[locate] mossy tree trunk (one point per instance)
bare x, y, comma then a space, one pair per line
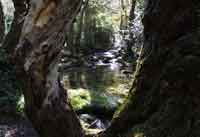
37, 56
164, 99
2, 26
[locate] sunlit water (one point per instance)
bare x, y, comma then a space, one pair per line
107, 73
111, 56
105, 76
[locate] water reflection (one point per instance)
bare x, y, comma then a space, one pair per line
96, 92
98, 83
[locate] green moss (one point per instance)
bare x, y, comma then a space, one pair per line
79, 98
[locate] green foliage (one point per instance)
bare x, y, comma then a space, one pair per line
99, 11
79, 98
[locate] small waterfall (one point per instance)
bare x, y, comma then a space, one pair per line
112, 57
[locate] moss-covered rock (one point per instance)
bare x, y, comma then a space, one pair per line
86, 101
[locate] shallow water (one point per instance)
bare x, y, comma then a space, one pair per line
99, 86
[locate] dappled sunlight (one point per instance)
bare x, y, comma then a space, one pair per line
98, 68
8, 9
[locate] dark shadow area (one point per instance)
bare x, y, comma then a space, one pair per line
10, 91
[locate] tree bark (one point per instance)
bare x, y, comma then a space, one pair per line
12, 38
37, 56
2, 25
164, 99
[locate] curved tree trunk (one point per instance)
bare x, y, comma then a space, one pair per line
164, 99
12, 38
2, 26
37, 56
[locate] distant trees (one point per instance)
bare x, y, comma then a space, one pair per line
91, 30
76, 31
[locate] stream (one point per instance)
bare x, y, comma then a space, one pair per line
99, 84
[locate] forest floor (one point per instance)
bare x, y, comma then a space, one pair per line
12, 126
16, 127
